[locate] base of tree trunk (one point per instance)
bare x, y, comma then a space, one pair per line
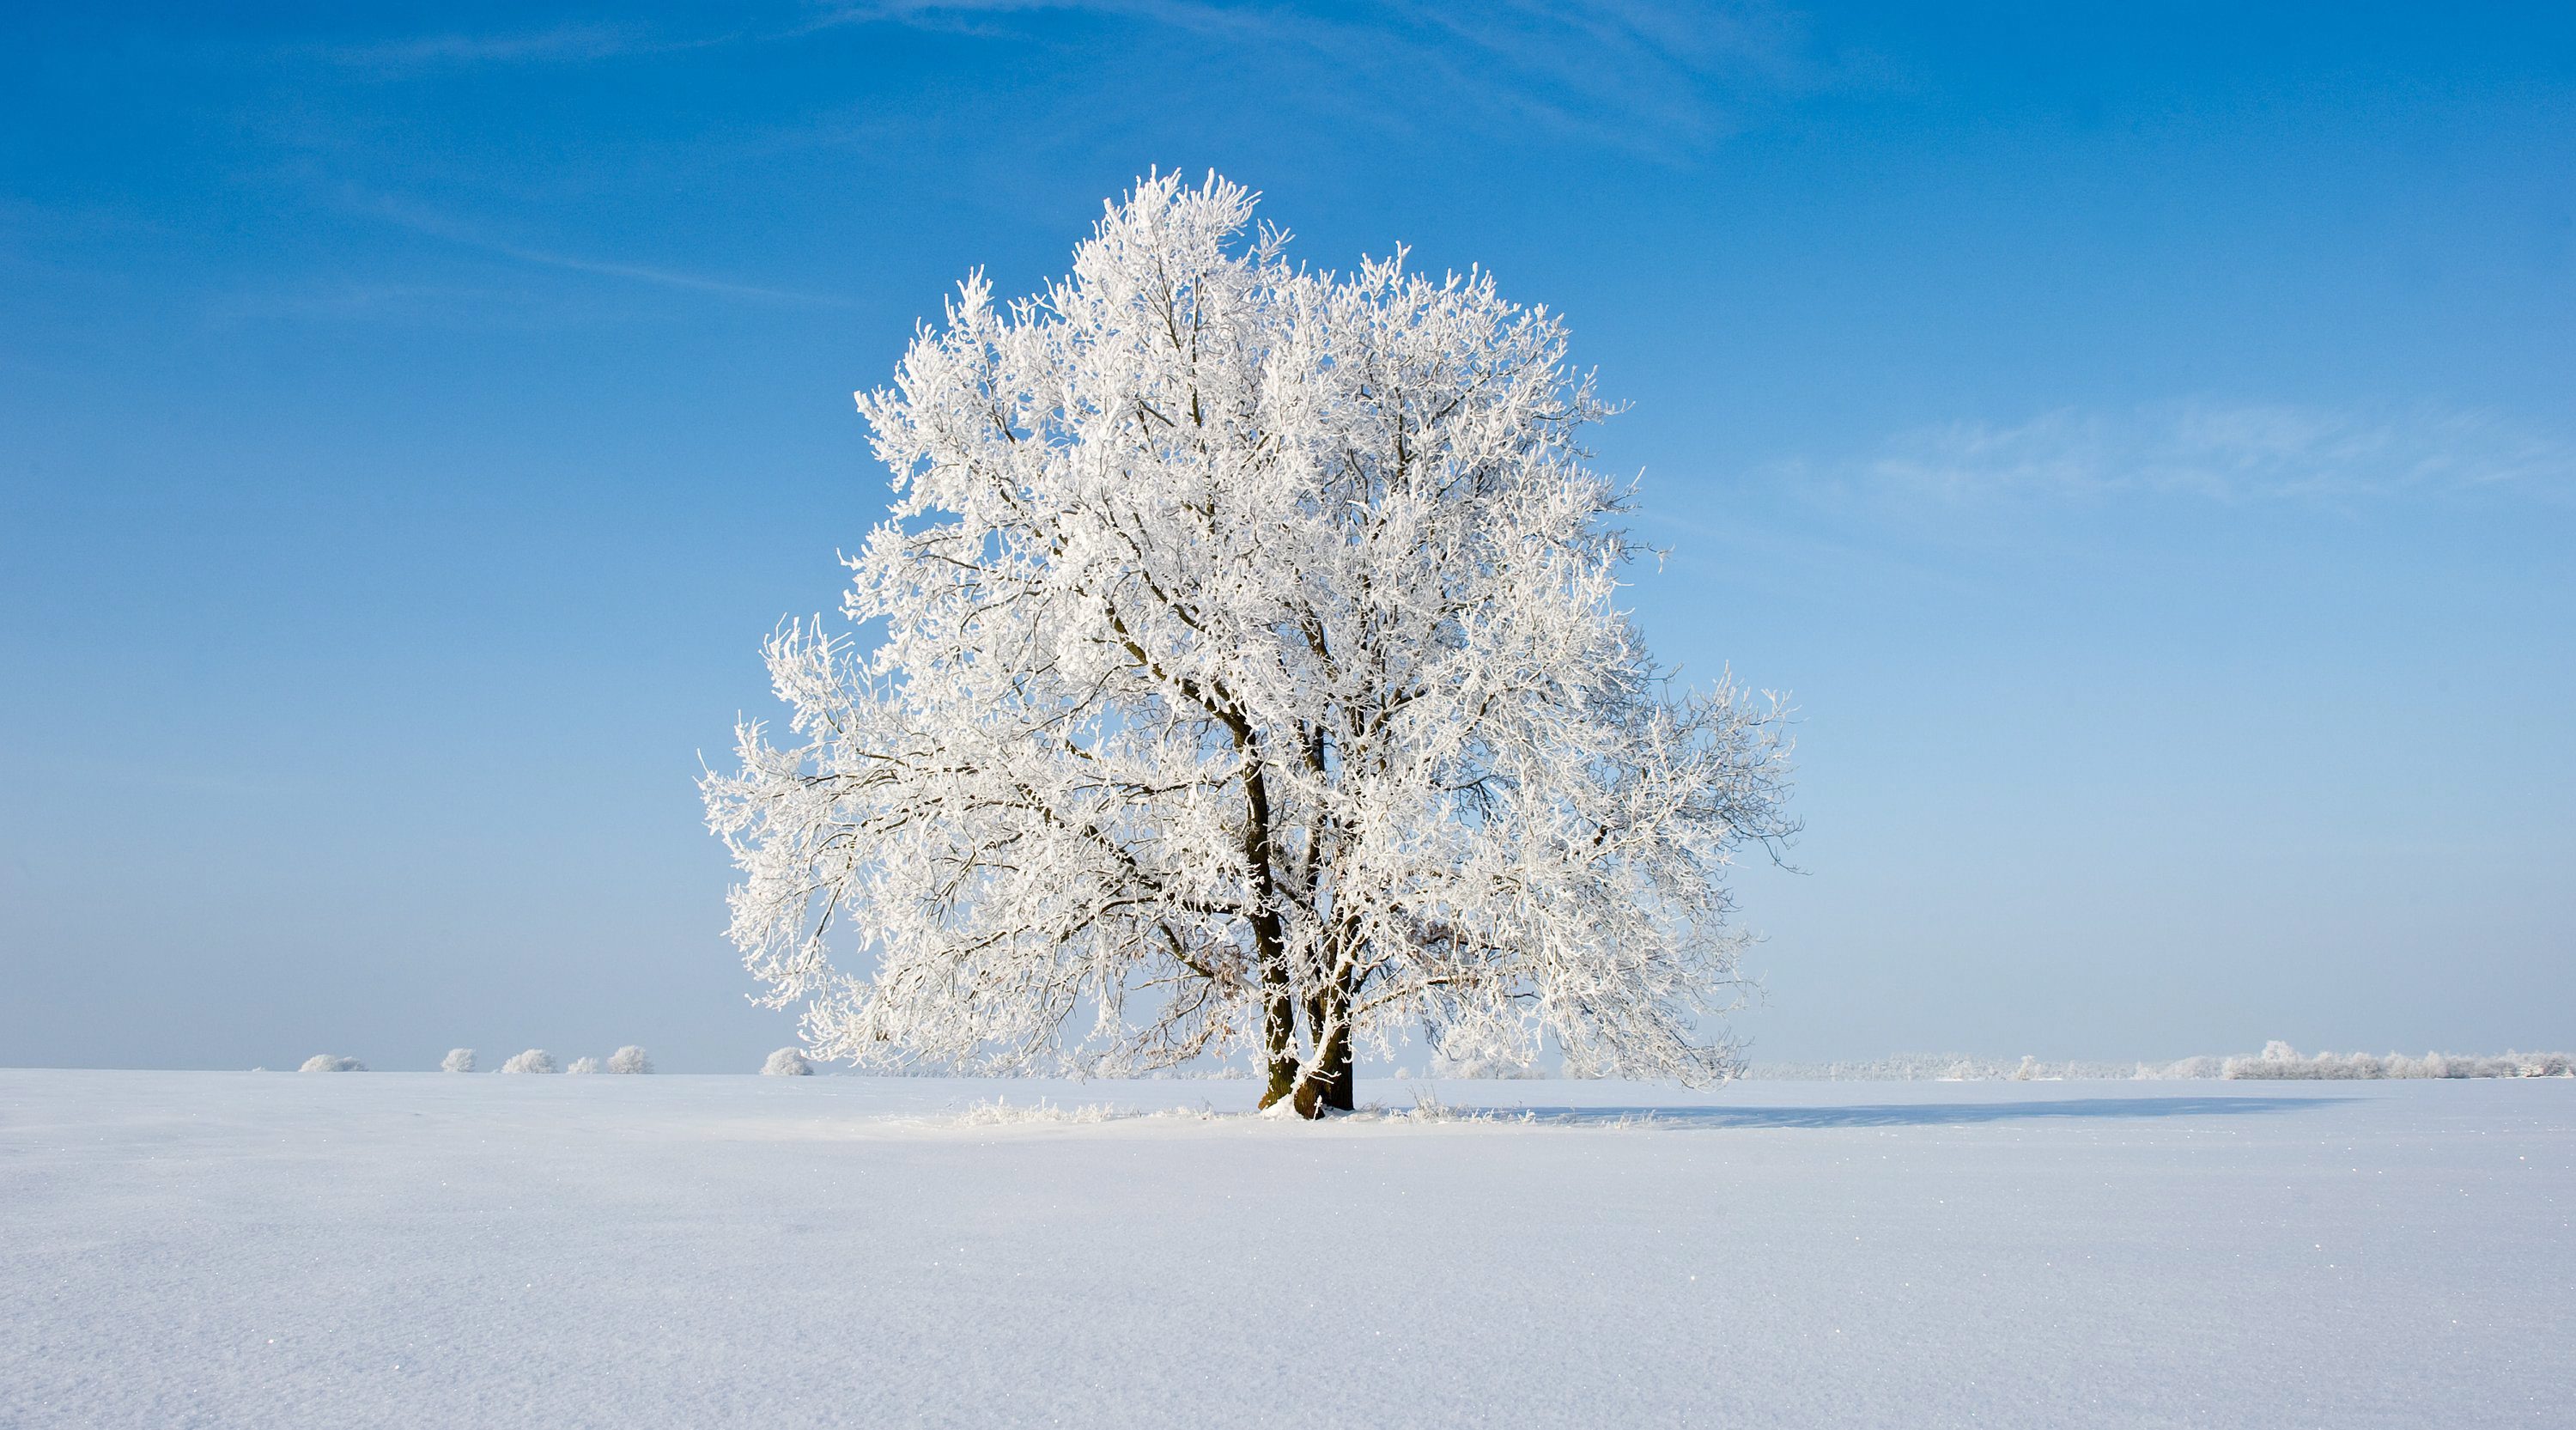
1328, 1091
1312, 1094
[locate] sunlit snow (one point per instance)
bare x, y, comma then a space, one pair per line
235, 1249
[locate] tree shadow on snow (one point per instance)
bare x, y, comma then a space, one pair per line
1929, 1114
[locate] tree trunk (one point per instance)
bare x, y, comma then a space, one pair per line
1328, 1083
1279, 1037
1270, 944
1328, 1088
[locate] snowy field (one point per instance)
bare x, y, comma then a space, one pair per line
386, 1249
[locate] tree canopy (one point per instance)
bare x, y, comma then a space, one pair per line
1240, 672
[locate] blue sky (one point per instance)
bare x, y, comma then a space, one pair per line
2142, 443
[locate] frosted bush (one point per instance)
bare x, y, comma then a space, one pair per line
1947, 1067
2278, 1060
583, 1065
2187, 1068
630, 1059
331, 1062
787, 1062
457, 1060
1508, 1068
2281, 1061
534, 1060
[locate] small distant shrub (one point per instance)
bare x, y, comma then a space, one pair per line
583, 1065
1505, 1066
2186, 1068
331, 1062
534, 1060
457, 1060
2277, 1061
630, 1059
787, 1062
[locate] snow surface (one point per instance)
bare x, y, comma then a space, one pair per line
233, 1249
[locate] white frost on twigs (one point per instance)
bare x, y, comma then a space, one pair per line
534, 1060
458, 1060
584, 1065
630, 1059
1252, 680
330, 1062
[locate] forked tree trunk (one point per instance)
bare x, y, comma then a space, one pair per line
1323, 1082
1328, 1085
1329, 1076
1279, 1007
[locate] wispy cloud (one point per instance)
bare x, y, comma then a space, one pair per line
504, 305
467, 235
571, 43
2224, 452
1661, 80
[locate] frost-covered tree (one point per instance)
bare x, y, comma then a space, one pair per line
787, 1062
534, 1060
630, 1059
458, 1060
1250, 677
584, 1065
331, 1062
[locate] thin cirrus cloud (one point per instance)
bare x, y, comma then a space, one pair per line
2224, 452
438, 226
556, 44
1656, 81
